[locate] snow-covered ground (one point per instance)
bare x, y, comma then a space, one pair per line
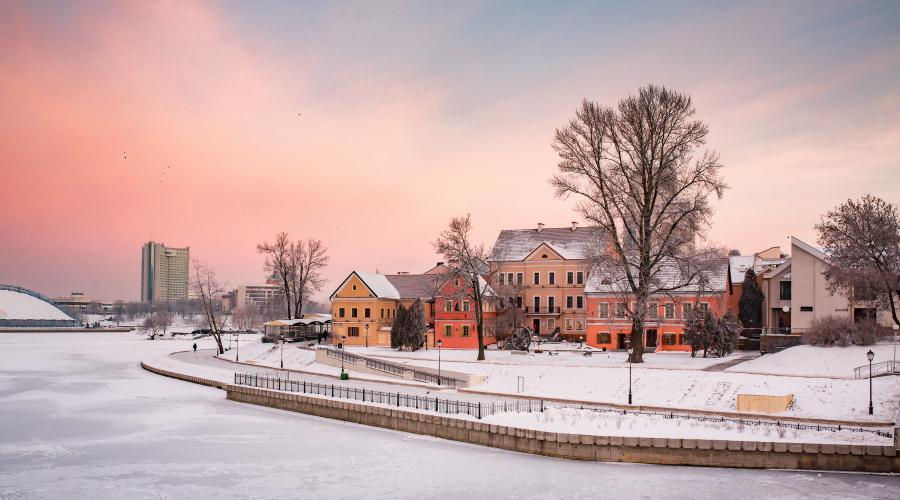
667, 381
578, 421
80, 419
805, 360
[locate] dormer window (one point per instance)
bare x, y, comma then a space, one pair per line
544, 256
354, 288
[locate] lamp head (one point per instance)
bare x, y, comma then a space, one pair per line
440, 343
870, 355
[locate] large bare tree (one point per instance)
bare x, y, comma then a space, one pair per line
308, 259
468, 262
279, 262
208, 290
862, 241
641, 174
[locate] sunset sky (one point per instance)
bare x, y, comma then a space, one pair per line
412, 113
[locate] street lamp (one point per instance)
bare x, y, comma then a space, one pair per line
630, 350
896, 329
343, 339
367, 335
439, 344
237, 343
282, 351
871, 356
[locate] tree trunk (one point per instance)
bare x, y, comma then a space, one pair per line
479, 320
637, 328
893, 306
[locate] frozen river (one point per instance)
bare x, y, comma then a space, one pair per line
80, 419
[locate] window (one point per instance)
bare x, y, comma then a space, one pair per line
668, 339
570, 278
568, 323
341, 312
536, 278
785, 290
579, 278
669, 310
509, 278
551, 303
579, 302
579, 325
448, 305
456, 282
551, 278
551, 324
653, 310
570, 302
620, 309
501, 278
686, 310
354, 288
456, 306
544, 256
808, 309
703, 306
603, 338
520, 278
537, 304
603, 310
465, 330
382, 314
367, 313
353, 312
448, 330
684, 339
466, 306
353, 331
519, 301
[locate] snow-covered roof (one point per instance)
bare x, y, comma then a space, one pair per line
296, 321
609, 279
739, 264
22, 304
516, 244
379, 285
414, 286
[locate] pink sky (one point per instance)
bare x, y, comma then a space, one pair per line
408, 119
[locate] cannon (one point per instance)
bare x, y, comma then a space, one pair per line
519, 340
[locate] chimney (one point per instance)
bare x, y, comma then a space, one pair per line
540, 226
574, 225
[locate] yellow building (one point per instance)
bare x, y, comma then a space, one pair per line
364, 306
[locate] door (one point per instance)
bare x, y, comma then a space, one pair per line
536, 326
622, 341
651, 338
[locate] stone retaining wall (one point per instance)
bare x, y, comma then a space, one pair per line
699, 452
187, 378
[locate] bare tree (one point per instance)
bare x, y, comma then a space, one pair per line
307, 260
207, 287
279, 262
509, 312
862, 241
163, 320
469, 264
639, 176
246, 317
151, 327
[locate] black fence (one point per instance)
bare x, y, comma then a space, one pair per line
397, 399
738, 421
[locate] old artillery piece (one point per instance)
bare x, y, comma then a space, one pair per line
522, 338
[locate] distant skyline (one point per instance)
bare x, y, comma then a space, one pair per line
369, 125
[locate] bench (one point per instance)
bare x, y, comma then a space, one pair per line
588, 353
552, 353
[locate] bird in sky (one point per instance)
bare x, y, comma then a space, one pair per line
125, 155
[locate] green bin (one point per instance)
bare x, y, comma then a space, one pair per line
345, 376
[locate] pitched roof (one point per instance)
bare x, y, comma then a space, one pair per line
516, 244
739, 264
609, 279
413, 286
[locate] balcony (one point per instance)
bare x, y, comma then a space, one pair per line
542, 310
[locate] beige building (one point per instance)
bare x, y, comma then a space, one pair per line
164, 272
796, 293
544, 270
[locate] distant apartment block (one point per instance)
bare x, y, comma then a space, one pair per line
261, 296
164, 272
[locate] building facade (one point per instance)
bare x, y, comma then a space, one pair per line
543, 272
609, 321
164, 272
455, 322
261, 296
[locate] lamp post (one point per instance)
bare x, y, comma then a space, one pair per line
367, 335
871, 356
282, 351
628, 346
237, 344
343, 339
896, 329
439, 344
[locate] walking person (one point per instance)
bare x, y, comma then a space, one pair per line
195, 347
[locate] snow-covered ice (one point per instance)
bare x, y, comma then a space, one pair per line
80, 419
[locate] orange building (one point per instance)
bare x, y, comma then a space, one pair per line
454, 312
544, 272
609, 323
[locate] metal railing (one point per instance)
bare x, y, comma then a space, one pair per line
542, 310
398, 399
739, 421
394, 369
882, 368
